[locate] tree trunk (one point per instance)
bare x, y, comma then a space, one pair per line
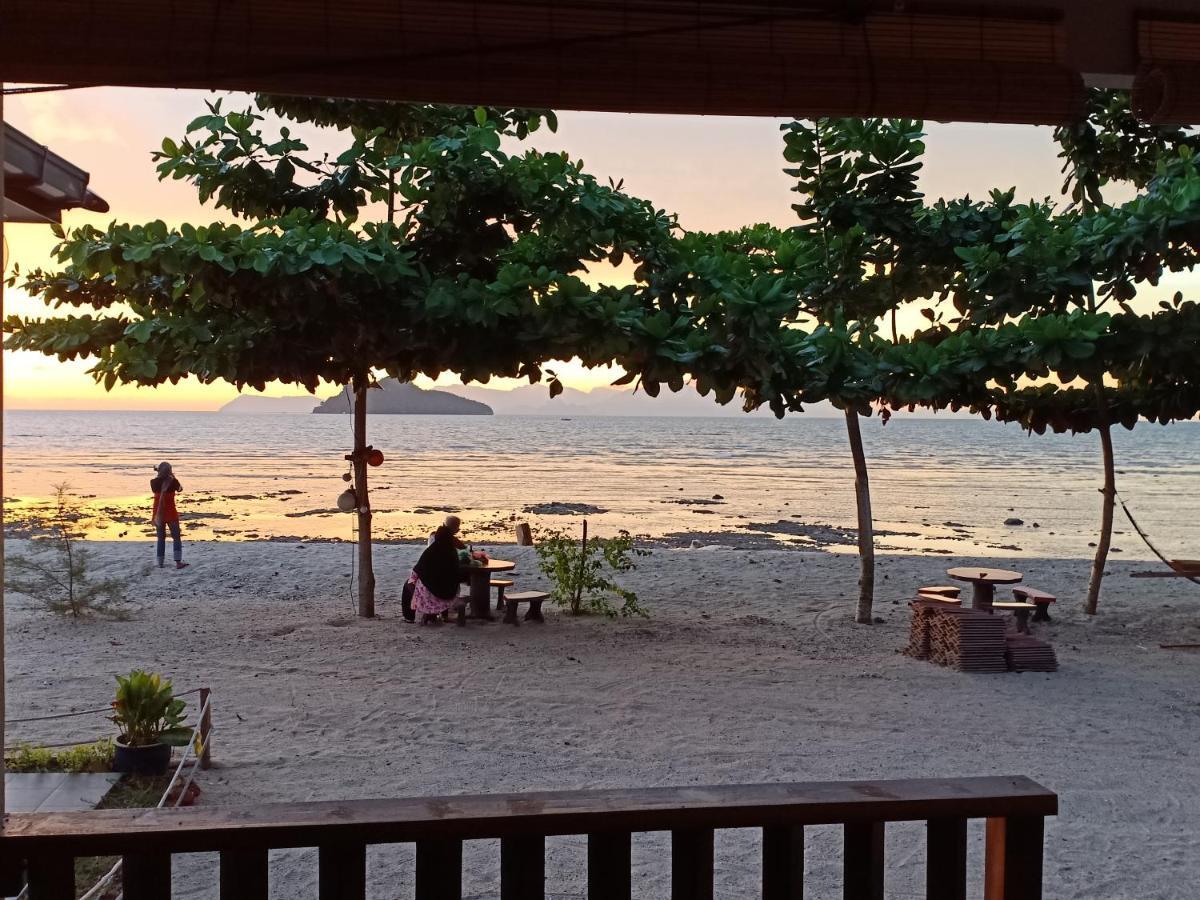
866, 529
366, 571
1106, 521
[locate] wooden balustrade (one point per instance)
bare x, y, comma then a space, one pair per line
44, 845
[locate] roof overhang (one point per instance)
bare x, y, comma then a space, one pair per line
983, 60
39, 184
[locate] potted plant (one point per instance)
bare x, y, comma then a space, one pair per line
150, 720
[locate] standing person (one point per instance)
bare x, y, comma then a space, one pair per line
165, 515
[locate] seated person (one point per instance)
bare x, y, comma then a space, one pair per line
454, 524
435, 579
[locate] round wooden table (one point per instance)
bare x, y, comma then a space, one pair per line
481, 585
983, 582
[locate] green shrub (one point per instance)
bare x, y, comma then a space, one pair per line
581, 572
95, 757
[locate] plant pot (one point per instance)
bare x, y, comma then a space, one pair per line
150, 760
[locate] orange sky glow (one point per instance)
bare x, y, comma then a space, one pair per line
715, 172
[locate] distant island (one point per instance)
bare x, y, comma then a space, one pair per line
407, 399
256, 405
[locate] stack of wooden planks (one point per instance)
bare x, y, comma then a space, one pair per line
923, 612
968, 640
1027, 654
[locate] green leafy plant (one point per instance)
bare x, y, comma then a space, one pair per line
582, 572
147, 711
96, 757
57, 572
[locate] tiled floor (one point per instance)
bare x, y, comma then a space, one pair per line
56, 791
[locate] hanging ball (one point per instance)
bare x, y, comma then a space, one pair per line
346, 476
375, 458
347, 501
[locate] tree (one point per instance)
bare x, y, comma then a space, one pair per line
858, 183
424, 247
57, 572
1094, 255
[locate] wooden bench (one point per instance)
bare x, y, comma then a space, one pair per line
1040, 599
501, 585
533, 598
1020, 611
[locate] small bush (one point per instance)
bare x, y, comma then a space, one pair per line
95, 757
581, 572
56, 573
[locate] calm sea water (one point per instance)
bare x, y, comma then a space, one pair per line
945, 485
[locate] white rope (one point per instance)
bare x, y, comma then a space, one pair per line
98, 889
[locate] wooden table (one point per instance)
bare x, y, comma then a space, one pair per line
481, 585
983, 582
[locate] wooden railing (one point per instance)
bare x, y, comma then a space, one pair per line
43, 845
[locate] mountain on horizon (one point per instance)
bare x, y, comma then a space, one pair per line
400, 398
258, 405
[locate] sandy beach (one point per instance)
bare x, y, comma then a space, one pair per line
749, 669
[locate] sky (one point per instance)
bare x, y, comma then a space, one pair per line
715, 172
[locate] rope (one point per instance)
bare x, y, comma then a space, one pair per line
1146, 538
98, 889
84, 712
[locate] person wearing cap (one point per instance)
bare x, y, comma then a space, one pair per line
165, 515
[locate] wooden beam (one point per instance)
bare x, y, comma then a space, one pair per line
946, 859
610, 865
692, 864
783, 863
280, 825
862, 862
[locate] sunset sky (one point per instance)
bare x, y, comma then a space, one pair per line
715, 172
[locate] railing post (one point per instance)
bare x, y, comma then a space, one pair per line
342, 872
146, 876
1013, 860
51, 878
783, 862
439, 870
205, 729
610, 865
244, 875
692, 864
523, 868
946, 859
862, 862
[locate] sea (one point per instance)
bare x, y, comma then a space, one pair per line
941, 485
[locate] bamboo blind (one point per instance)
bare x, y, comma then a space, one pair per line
669, 56
1167, 88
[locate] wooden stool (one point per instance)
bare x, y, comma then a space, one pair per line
939, 598
949, 591
1020, 611
1040, 599
533, 598
500, 584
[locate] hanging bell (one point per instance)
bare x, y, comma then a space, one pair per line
375, 458
347, 501
346, 476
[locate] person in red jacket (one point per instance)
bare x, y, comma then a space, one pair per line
165, 515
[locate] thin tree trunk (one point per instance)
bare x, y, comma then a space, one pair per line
366, 571
1106, 521
866, 529
577, 598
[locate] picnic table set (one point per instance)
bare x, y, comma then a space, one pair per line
480, 569
978, 639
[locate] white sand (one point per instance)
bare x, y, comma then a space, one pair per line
775, 684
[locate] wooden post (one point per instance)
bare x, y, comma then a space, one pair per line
866, 527
3, 706
692, 864
783, 862
577, 594
946, 859
205, 728
609, 865
366, 571
862, 861
1012, 868
1106, 517
524, 535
